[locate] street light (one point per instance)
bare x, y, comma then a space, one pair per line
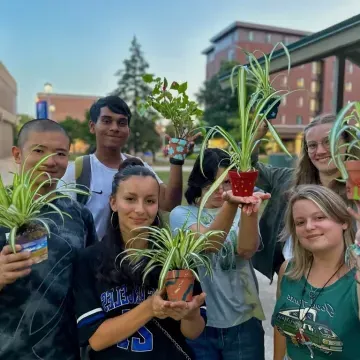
48, 90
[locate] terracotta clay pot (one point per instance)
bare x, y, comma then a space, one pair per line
243, 183
34, 239
353, 182
179, 285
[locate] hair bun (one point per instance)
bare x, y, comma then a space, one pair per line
131, 161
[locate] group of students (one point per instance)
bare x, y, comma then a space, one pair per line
84, 302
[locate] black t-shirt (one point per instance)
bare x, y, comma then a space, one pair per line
97, 301
37, 318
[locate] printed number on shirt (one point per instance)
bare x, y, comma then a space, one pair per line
138, 344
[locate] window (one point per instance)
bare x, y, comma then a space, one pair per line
315, 86
231, 55
251, 36
236, 36
348, 86
299, 120
284, 81
300, 82
300, 102
287, 40
314, 105
283, 119
351, 68
316, 67
284, 101
268, 38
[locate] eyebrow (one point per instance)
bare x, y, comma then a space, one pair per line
135, 194
37, 146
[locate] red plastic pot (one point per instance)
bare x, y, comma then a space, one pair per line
353, 182
179, 285
243, 183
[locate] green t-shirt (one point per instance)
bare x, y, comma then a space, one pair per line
331, 328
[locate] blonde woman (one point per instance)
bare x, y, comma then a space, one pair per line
317, 310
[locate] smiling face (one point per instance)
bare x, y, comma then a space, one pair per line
111, 130
314, 230
136, 202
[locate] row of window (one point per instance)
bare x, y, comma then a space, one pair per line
299, 119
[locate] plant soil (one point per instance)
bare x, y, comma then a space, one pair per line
30, 232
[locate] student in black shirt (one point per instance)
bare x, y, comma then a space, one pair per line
37, 319
118, 315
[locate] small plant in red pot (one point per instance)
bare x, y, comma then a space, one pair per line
346, 154
178, 255
173, 104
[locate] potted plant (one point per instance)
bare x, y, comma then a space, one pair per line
177, 254
20, 206
346, 154
173, 104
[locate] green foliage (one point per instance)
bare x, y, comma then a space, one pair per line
184, 250
21, 203
172, 103
346, 123
23, 119
79, 130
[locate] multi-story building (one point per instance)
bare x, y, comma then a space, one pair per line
61, 106
313, 82
8, 118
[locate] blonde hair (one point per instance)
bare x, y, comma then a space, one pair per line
333, 207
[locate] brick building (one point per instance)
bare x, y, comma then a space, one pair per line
315, 79
8, 118
61, 106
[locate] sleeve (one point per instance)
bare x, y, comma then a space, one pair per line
181, 216
91, 235
152, 170
68, 180
3, 237
88, 309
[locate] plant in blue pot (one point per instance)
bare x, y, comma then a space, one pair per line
173, 104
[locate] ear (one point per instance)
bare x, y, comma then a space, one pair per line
113, 203
16, 152
92, 127
345, 226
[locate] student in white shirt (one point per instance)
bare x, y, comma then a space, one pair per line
110, 118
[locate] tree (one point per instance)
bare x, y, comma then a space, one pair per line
23, 119
131, 88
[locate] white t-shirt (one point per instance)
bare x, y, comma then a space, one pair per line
100, 188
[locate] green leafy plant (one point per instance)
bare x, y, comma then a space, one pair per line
347, 122
21, 203
173, 104
184, 250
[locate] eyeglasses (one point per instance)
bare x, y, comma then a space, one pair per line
225, 186
312, 146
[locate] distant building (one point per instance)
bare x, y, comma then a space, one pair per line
8, 118
316, 78
62, 106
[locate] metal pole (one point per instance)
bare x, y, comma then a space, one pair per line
339, 78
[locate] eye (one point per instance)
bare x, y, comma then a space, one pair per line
151, 201
39, 151
61, 154
311, 146
105, 121
299, 223
129, 198
321, 217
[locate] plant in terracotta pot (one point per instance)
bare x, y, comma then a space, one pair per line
173, 104
251, 116
177, 254
346, 155
20, 206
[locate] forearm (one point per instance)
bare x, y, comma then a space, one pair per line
248, 239
114, 330
171, 194
193, 326
279, 345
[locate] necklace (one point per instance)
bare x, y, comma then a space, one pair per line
300, 336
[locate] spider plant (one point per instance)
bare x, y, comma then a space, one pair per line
21, 203
347, 123
173, 104
184, 250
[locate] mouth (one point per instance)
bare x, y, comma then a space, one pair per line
324, 159
138, 221
313, 236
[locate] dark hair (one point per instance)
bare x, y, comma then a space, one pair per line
39, 125
109, 262
213, 159
114, 103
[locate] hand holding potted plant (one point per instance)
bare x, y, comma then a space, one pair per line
345, 154
20, 206
173, 104
178, 255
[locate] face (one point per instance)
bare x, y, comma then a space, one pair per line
111, 130
136, 202
318, 147
315, 231
216, 200
37, 146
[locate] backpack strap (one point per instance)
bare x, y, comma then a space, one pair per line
83, 176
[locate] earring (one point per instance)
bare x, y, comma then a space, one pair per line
112, 222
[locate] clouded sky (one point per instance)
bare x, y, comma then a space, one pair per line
78, 45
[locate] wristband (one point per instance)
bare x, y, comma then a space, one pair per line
174, 161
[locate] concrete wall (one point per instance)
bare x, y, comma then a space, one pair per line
8, 119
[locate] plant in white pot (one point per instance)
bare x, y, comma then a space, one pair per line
20, 210
174, 105
346, 153
178, 255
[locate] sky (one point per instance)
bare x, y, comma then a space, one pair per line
78, 45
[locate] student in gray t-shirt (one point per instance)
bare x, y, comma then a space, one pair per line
234, 311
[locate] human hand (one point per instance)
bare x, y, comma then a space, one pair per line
248, 204
262, 130
13, 266
182, 310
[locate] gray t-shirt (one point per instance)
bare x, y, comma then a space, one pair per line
232, 294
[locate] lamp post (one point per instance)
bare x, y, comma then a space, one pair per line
48, 90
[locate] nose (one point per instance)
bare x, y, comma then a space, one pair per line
139, 208
310, 225
50, 161
114, 126
321, 149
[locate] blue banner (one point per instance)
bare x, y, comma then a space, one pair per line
42, 110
